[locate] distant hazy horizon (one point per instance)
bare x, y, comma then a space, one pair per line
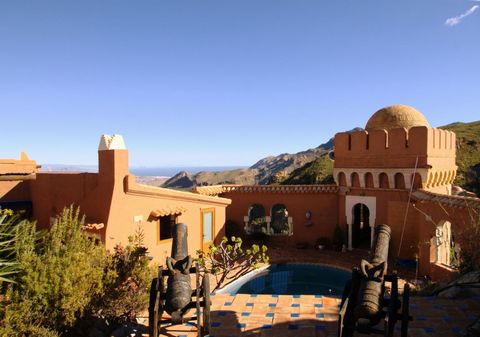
157, 171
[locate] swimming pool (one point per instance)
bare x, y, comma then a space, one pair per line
291, 279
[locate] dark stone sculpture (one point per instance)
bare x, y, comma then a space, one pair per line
371, 286
363, 301
179, 289
179, 298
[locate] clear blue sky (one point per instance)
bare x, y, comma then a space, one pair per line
225, 82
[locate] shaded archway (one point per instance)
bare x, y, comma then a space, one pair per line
279, 216
417, 181
383, 179
369, 180
256, 219
361, 226
355, 179
399, 181
342, 180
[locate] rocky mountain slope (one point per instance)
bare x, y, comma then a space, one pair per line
314, 166
262, 172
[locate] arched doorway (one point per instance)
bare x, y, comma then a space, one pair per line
361, 226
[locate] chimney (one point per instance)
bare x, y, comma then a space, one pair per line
112, 159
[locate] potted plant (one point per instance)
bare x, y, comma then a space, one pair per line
338, 239
323, 243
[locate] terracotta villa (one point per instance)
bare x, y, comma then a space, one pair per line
398, 171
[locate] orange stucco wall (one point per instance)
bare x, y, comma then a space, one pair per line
323, 207
113, 198
51, 192
396, 148
430, 215
14, 190
328, 210
126, 207
391, 207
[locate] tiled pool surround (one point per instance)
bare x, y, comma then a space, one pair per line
270, 315
314, 316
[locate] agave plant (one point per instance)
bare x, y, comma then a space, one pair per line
9, 265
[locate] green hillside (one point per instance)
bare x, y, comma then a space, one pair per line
318, 171
468, 154
468, 161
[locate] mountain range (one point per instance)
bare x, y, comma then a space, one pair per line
268, 170
314, 166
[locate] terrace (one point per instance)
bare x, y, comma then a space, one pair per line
317, 315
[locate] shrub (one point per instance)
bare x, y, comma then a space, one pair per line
127, 281
228, 261
61, 274
9, 266
470, 238
259, 225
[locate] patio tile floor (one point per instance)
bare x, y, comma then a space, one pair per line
431, 317
316, 316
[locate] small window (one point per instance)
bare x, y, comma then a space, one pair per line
165, 227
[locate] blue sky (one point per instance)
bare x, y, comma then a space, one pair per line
225, 82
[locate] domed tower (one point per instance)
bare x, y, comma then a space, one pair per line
397, 149
396, 116
376, 169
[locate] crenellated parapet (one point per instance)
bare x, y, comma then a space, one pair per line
394, 148
396, 158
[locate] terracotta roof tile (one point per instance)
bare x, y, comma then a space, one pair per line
288, 189
168, 211
449, 200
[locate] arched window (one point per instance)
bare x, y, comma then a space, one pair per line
383, 178
355, 179
369, 180
279, 223
417, 181
256, 219
399, 181
342, 180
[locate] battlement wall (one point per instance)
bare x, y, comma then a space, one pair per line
394, 148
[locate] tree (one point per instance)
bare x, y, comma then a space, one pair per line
228, 261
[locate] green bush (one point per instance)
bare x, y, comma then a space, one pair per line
61, 274
9, 266
65, 279
127, 280
469, 243
228, 261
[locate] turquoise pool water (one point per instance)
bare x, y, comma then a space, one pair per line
292, 279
